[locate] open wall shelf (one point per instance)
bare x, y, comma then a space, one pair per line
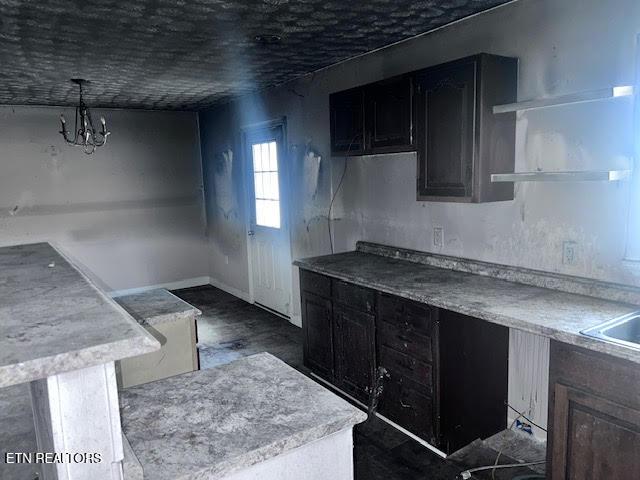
581, 97
579, 176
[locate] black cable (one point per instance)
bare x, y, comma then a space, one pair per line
527, 418
335, 194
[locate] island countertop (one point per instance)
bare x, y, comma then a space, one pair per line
53, 319
156, 306
551, 313
211, 423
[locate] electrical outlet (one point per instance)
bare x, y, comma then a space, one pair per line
438, 236
569, 253
226, 259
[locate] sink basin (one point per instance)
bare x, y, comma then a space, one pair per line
622, 331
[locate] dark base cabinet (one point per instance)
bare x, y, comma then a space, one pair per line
446, 378
594, 416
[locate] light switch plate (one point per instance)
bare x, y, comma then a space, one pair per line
438, 236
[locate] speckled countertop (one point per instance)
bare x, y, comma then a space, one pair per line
53, 319
156, 306
211, 423
550, 313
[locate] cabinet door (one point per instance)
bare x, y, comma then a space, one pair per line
347, 122
446, 112
317, 324
389, 115
594, 415
474, 371
593, 437
354, 351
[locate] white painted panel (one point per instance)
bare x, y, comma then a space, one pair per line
328, 458
529, 378
77, 413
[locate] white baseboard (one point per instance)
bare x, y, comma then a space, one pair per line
187, 283
296, 320
232, 290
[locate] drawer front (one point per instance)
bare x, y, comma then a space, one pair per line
354, 296
408, 405
411, 316
417, 346
315, 283
409, 367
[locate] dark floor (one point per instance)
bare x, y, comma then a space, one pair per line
231, 328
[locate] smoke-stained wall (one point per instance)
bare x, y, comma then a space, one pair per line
132, 213
563, 47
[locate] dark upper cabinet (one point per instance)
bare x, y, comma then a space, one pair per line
376, 118
389, 115
460, 142
594, 416
347, 122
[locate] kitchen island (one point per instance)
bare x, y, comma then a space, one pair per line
255, 418
61, 335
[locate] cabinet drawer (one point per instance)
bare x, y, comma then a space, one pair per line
408, 405
315, 283
411, 316
420, 347
356, 297
418, 371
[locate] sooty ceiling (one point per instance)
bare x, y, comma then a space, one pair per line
190, 54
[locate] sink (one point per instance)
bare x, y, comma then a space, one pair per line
622, 331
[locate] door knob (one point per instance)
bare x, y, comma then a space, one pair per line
251, 233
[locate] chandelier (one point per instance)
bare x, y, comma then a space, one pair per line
85, 134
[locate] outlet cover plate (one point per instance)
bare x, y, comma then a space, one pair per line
569, 252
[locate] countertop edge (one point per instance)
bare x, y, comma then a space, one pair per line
275, 449
555, 334
76, 359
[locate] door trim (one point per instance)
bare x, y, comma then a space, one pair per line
246, 166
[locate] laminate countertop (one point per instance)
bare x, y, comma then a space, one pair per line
156, 306
550, 313
53, 319
212, 423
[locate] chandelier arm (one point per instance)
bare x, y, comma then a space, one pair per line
85, 133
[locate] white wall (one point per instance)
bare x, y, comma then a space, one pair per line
131, 213
563, 47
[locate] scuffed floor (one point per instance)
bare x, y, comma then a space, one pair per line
231, 328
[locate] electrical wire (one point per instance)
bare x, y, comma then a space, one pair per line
335, 194
527, 418
467, 473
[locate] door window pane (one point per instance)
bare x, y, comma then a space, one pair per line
266, 184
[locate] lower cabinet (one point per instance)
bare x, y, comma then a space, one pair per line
318, 334
594, 416
446, 374
353, 340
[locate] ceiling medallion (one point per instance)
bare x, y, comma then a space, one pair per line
85, 134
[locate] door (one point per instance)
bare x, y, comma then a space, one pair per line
317, 327
389, 115
446, 112
354, 351
268, 230
347, 122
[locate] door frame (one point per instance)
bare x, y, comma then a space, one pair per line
283, 180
